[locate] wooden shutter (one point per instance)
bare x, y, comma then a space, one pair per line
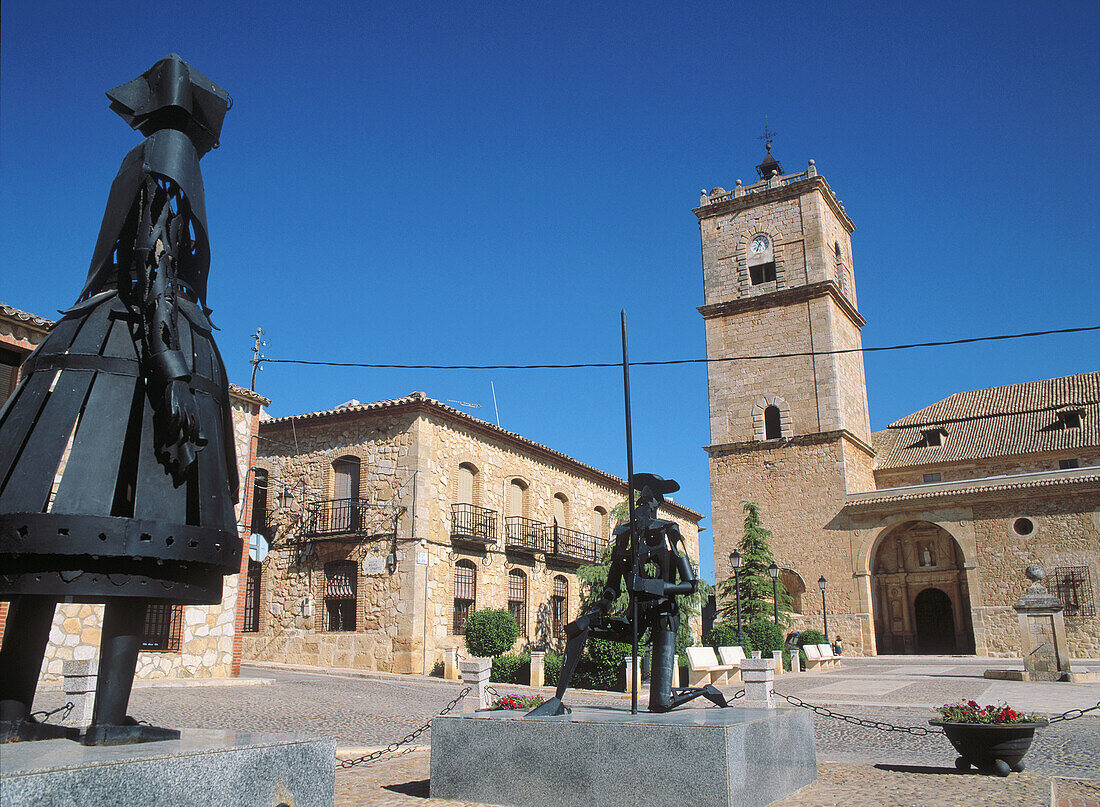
465, 485
559, 511
515, 499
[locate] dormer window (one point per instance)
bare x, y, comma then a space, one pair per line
1070, 419
933, 437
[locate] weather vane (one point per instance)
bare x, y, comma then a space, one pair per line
768, 135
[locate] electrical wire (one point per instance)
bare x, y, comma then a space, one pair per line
667, 362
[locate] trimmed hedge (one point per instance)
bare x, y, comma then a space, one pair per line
512, 668
490, 632
764, 635
551, 668
724, 634
811, 637
601, 666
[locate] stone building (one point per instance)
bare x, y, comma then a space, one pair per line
389, 522
921, 531
180, 641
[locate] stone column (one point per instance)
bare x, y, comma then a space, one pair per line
777, 660
633, 674
759, 676
80, 679
538, 662
476, 672
1042, 631
450, 663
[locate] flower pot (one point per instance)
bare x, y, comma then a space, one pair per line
990, 747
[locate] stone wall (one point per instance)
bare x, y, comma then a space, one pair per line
410, 456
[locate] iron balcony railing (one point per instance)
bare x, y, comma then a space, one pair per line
470, 522
337, 517
524, 534
572, 545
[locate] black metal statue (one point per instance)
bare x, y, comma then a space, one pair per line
658, 572
118, 474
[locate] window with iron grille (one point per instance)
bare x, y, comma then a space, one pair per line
465, 593
1073, 586
163, 627
559, 606
252, 598
517, 599
340, 584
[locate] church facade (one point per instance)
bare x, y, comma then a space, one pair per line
922, 531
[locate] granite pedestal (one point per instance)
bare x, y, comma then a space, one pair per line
204, 767
606, 757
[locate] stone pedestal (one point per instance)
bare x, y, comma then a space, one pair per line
796, 660
450, 663
204, 768
606, 757
475, 672
758, 675
538, 667
79, 683
632, 674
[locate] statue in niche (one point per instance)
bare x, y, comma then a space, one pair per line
118, 468
926, 556
658, 571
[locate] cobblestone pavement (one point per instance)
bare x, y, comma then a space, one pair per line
858, 766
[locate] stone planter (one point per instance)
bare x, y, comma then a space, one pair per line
990, 747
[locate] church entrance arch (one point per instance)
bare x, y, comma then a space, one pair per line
920, 596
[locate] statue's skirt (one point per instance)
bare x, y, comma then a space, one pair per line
87, 511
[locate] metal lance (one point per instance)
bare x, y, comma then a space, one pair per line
118, 473
633, 531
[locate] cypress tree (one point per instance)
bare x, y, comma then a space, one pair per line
756, 583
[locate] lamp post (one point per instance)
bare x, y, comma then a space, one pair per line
821, 583
773, 573
735, 566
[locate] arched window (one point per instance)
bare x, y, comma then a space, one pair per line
345, 492
341, 578
517, 498
559, 606
467, 484
465, 593
517, 599
773, 429
599, 523
560, 511
252, 597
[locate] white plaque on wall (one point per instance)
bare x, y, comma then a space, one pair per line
422, 557
374, 564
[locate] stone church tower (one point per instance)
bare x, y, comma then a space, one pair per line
790, 432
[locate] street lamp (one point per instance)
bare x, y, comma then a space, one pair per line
821, 583
286, 498
773, 572
735, 566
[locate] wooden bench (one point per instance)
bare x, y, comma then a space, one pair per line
733, 656
703, 667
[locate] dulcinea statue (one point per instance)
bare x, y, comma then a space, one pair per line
658, 571
118, 475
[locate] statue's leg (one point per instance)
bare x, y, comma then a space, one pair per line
26, 633
574, 647
664, 669
123, 623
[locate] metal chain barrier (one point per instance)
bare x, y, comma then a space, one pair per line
1073, 714
408, 738
919, 731
740, 694
68, 707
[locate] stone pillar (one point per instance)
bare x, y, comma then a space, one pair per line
759, 676
633, 674
450, 663
538, 662
476, 672
80, 679
1042, 631
777, 660
796, 660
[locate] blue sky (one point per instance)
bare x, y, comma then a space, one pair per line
491, 183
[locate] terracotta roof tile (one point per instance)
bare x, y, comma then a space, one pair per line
996, 422
30, 319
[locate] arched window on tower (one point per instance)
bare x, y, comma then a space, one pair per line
773, 428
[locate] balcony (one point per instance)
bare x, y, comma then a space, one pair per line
469, 522
524, 534
570, 545
347, 517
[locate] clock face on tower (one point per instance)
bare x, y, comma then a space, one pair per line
759, 244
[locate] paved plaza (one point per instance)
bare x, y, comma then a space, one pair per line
858, 766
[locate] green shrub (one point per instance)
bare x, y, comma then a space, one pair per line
811, 637
490, 632
764, 635
724, 634
512, 668
601, 666
551, 668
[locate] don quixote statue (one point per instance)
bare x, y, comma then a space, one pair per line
118, 475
